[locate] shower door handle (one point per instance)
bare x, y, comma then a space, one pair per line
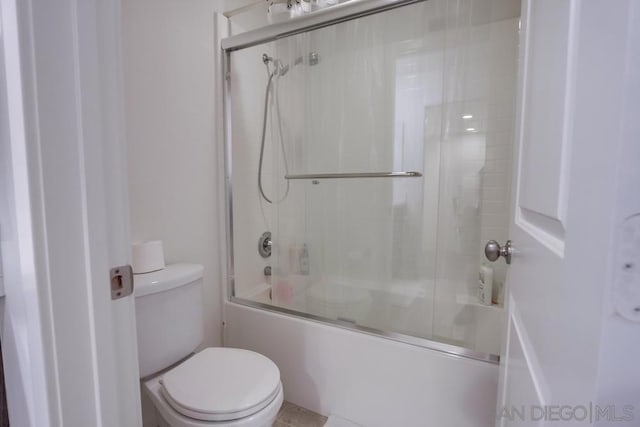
493, 251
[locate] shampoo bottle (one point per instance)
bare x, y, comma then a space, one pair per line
304, 260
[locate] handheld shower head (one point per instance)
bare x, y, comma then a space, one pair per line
279, 68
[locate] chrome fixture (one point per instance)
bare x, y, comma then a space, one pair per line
316, 176
264, 245
493, 251
278, 68
314, 58
281, 69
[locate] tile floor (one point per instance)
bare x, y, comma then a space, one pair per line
291, 415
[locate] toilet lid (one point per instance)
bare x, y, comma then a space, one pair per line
219, 384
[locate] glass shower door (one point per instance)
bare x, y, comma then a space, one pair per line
385, 147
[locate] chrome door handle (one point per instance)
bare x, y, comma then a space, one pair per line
493, 251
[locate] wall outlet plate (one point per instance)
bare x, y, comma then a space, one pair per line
626, 289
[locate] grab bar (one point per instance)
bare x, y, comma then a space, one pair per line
356, 175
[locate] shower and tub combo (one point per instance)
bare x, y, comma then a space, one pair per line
363, 185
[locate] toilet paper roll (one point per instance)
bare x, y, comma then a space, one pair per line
147, 257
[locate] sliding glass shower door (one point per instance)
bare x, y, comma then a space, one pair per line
370, 161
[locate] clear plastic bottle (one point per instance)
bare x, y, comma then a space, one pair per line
304, 260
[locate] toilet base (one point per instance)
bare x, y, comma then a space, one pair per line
168, 417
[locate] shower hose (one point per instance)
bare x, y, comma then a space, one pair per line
272, 74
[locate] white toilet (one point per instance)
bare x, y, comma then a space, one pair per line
222, 387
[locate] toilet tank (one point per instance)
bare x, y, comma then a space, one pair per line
169, 318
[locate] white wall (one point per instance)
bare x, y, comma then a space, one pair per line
372, 381
618, 376
169, 72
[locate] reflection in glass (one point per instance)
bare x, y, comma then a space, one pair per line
426, 88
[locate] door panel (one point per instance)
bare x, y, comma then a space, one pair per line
571, 87
523, 384
545, 140
71, 350
532, 322
539, 218
541, 193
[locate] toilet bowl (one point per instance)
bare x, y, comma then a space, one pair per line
172, 418
217, 386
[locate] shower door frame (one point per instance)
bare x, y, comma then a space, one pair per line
322, 18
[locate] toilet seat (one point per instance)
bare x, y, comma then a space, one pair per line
221, 384
167, 416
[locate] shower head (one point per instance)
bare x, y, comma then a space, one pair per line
279, 68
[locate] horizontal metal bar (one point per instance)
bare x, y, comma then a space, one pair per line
443, 347
312, 21
355, 175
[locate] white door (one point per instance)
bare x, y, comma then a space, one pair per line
70, 350
573, 79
